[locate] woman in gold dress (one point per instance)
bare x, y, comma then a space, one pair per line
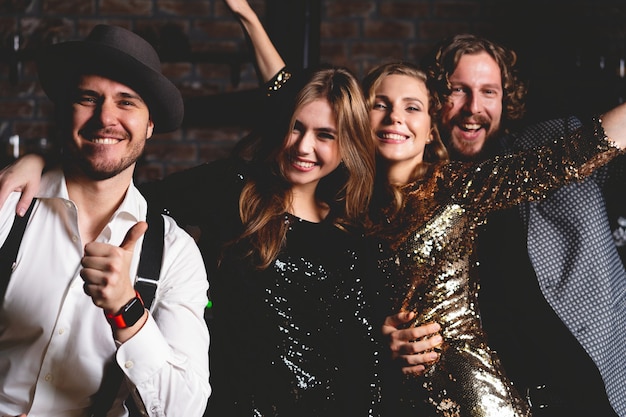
426, 215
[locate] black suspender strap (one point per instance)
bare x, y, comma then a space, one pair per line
8, 251
148, 273
151, 258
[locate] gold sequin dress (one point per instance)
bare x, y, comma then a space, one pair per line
428, 262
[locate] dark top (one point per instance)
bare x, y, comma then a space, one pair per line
294, 339
541, 356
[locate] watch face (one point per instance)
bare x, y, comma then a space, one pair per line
128, 315
133, 311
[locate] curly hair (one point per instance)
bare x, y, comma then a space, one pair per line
446, 57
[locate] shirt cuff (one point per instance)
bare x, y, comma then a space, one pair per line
144, 354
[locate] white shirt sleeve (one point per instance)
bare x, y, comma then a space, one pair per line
167, 360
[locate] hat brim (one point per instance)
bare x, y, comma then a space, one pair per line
59, 64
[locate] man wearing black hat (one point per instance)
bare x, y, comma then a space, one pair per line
70, 306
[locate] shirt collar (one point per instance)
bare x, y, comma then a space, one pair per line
133, 207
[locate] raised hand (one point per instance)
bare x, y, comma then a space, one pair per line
268, 60
106, 270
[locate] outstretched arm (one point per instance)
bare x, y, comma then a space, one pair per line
268, 60
614, 124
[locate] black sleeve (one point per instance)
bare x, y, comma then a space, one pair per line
190, 196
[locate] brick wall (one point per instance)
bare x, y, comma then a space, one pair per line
206, 55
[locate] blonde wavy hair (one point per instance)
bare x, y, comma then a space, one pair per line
347, 191
388, 196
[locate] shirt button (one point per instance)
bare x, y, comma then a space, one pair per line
74, 238
61, 331
128, 364
48, 377
68, 204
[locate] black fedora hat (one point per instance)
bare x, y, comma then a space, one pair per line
120, 55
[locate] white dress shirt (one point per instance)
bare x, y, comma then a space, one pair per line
54, 341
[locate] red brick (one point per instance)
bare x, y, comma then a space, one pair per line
8, 25
389, 29
32, 129
189, 8
405, 9
456, 9
340, 8
221, 135
211, 152
378, 50
419, 50
177, 70
331, 52
436, 30
22, 89
16, 109
169, 151
216, 29
171, 168
69, 7
126, 7
38, 32
148, 171
170, 137
345, 30
45, 109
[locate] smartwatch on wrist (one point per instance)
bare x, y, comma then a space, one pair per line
128, 315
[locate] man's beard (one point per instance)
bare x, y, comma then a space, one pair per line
103, 172
491, 145
74, 159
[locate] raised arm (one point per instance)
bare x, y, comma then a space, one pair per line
268, 60
614, 124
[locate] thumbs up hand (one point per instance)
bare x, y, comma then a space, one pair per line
106, 270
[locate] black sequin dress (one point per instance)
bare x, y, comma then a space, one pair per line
294, 339
429, 265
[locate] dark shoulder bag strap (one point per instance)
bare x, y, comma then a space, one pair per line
8, 251
148, 273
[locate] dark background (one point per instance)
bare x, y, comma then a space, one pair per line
570, 52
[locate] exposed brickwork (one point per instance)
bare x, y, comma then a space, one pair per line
186, 8
207, 56
126, 7
345, 30
20, 109
407, 10
349, 9
69, 8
